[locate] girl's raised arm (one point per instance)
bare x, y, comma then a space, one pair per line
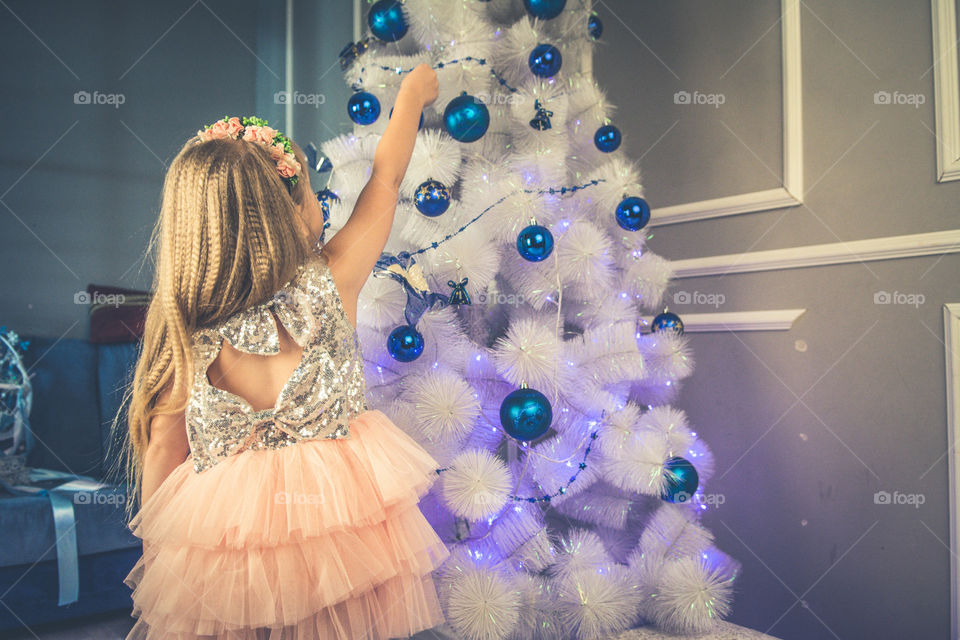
354, 250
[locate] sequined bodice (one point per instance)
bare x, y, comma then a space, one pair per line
325, 391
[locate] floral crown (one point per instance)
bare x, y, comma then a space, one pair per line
254, 129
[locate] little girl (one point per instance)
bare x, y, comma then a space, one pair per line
273, 502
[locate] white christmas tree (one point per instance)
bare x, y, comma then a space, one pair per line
503, 329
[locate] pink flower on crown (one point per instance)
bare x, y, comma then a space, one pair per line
231, 128
222, 129
277, 151
261, 135
288, 166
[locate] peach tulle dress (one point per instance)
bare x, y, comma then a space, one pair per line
296, 522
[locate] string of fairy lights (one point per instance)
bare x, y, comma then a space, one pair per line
551, 190
466, 119
560, 491
440, 65
562, 190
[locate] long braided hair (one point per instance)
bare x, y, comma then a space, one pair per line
229, 235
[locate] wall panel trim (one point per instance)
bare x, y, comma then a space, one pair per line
790, 193
906, 246
945, 89
765, 320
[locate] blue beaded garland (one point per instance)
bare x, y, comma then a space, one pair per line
544, 9
405, 343
419, 126
386, 20
595, 27
667, 321
466, 118
633, 213
682, 480
431, 198
545, 60
607, 138
525, 414
363, 108
535, 243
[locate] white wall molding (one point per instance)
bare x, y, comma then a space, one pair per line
777, 198
790, 194
586, 60
288, 71
945, 88
357, 19
766, 320
951, 342
918, 244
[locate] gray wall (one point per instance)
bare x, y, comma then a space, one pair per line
804, 439
80, 183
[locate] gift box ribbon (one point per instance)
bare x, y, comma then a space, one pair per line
62, 498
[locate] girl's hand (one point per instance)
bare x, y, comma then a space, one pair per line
353, 252
422, 82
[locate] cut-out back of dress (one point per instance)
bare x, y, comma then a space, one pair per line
242, 379
322, 395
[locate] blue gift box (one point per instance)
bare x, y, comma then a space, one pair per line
77, 389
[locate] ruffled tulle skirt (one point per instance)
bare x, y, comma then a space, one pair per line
322, 539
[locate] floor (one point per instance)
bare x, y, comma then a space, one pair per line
115, 627
112, 626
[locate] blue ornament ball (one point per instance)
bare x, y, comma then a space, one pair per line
545, 60
682, 480
595, 27
667, 321
607, 138
405, 343
363, 108
525, 414
544, 9
466, 118
535, 243
431, 198
386, 20
633, 213
419, 126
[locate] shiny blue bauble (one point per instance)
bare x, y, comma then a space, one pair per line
363, 108
544, 9
682, 480
595, 27
466, 118
545, 60
419, 126
607, 138
667, 321
325, 197
535, 243
525, 414
431, 198
633, 213
405, 343
386, 20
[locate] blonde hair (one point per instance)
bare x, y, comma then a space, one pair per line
229, 235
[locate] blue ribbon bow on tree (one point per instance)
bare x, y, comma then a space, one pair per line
404, 269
